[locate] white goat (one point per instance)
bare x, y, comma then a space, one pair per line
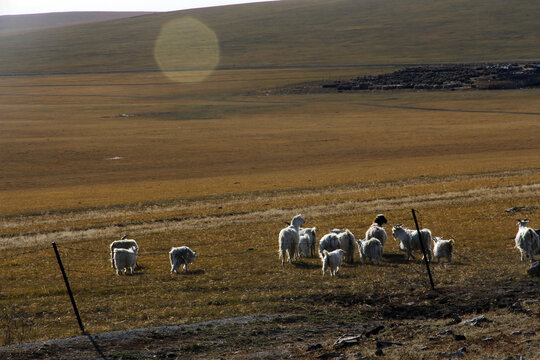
527, 240
442, 248
331, 260
181, 256
125, 259
312, 234
304, 245
371, 249
409, 240
346, 242
289, 238
328, 242
376, 229
123, 244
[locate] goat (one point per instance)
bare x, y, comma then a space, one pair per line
409, 240
124, 259
346, 242
331, 260
181, 256
527, 240
289, 238
328, 242
370, 248
312, 234
442, 248
123, 244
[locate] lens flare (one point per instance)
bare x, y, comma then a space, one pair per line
186, 50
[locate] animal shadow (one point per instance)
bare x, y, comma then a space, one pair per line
395, 258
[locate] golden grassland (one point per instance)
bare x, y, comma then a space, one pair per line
219, 166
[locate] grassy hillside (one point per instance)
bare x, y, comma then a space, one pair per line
296, 32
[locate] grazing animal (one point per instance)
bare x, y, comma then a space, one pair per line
304, 245
370, 248
181, 256
331, 260
376, 229
346, 242
312, 234
289, 238
442, 248
410, 241
123, 244
527, 240
328, 242
125, 259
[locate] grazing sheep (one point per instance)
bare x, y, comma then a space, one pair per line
123, 244
331, 260
289, 238
312, 233
376, 229
181, 256
409, 240
442, 248
371, 249
527, 240
125, 259
346, 242
304, 245
328, 242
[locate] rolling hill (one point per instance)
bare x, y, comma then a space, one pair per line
295, 33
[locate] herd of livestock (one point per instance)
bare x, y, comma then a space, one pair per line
296, 241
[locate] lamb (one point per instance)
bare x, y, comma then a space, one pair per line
123, 244
409, 240
331, 260
370, 248
527, 240
328, 242
376, 229
442, 248
181, 256
312, 236
346, 242
289, 238
125, 259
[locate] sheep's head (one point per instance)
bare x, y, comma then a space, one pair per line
380, 220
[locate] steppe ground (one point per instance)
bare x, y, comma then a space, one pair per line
219, 166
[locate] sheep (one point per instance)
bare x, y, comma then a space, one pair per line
376, 229
409, 240
331, 260
123, 244
370, 248
346, 242
304, 245
181, 256
312, 234
527, 240
125, 259
442, 248
289, 238
328, 242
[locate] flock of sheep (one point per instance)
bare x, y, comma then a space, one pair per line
295, 242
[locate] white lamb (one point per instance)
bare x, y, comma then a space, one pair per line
328, 242
289, 238
123, 244
304, 245
442, 248
181, 256
346, 242
409, 240
376, 229
331, 260
527, 240
371, 249
125, 259
312, 234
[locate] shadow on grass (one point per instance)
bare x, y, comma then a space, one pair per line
395, 258
305, 265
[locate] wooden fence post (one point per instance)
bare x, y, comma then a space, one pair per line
423, 249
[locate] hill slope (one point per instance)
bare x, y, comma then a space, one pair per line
296, 32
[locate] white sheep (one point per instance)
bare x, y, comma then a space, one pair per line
289, 238
442, 248
370, 248
331, 260
125, 259
376, 229
304, 245
346, 242
123, 244
312, 234
181, 256
328, 242
527, 240
409, 240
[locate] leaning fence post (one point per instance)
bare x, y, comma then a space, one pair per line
423, 249
68, 288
